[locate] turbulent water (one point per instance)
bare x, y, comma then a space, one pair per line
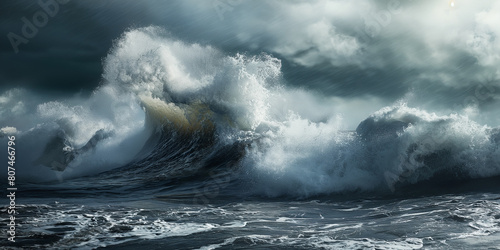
186, 146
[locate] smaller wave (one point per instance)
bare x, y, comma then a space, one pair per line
75, 137
59, 152
396, 146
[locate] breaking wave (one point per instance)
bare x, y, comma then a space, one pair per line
171, 110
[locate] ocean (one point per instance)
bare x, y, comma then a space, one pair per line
189, 140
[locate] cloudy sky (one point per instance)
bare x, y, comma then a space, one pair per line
437, 53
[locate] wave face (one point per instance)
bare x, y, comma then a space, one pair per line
168, 110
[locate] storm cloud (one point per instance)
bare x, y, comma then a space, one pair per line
386, 50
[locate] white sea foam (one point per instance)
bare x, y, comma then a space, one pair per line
396, 145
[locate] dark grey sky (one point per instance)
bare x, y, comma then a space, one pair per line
66, 53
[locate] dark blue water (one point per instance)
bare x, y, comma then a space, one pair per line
100, 216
